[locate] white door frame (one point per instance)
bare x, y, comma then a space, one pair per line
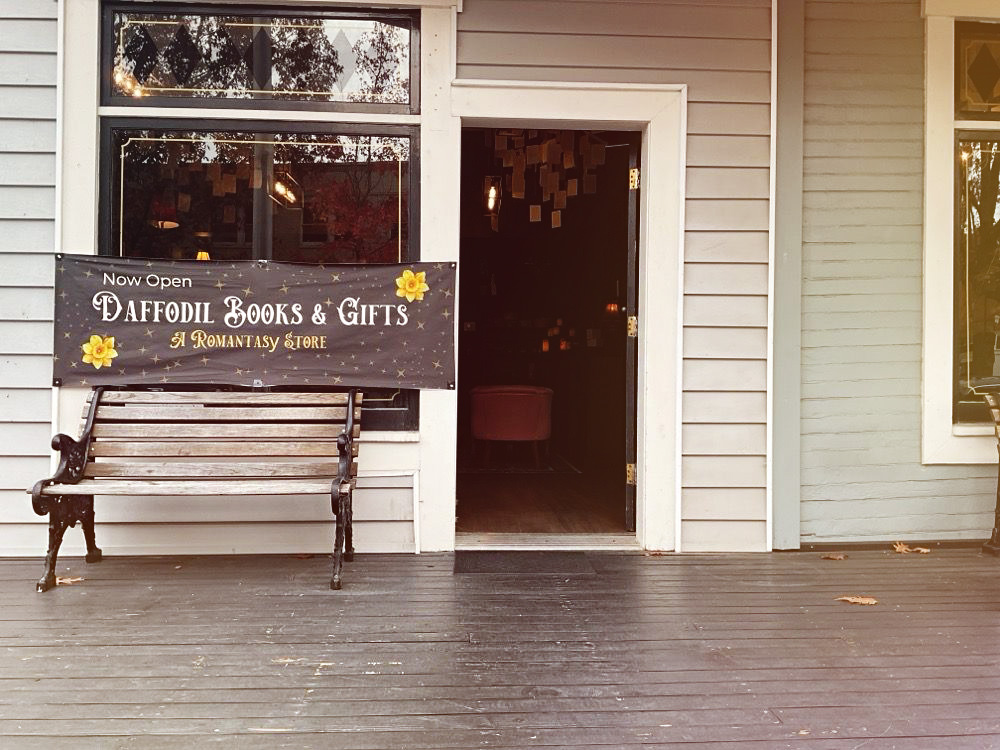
659, 112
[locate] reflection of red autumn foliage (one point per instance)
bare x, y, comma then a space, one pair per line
360, 212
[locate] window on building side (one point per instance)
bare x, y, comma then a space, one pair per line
304, 197
354, 60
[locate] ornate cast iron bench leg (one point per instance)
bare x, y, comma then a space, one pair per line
993, 545
338, 541
349, 527
993, 402
65, 511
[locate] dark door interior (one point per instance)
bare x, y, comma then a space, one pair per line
547, 285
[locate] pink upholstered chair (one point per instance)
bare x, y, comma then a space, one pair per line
512, 413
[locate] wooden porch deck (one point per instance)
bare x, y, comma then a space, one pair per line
741, 651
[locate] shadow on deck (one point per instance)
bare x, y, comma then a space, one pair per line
625, 651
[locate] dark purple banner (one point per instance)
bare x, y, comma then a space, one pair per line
253, 323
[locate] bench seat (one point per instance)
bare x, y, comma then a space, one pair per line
219, 487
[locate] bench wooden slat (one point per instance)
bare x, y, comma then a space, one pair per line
221, 487
147, 412
150, 469
160, 430
223, 397
261, 448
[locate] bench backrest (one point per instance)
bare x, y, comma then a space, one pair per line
208, 434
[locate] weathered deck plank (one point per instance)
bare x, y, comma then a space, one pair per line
747, 651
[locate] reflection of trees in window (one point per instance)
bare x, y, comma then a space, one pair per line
247, 57
361, 202
304, 59
977, 270
383, 64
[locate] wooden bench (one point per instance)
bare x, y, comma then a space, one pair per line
205, 443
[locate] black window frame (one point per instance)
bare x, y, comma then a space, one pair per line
108, 98
403, 418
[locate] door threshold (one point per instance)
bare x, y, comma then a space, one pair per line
484, 540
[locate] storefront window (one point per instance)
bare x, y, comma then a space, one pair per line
334, 58
977, 276
277, 192
298, 197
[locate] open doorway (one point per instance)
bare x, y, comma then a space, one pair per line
546, 364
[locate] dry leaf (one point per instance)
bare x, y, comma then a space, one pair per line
835, 556
63, 581
857, 599
901, 548
922, 550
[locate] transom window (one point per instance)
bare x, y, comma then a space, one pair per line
185, 56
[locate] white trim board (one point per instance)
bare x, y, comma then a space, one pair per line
534, 542
660, 113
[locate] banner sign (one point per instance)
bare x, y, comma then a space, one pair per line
253, 323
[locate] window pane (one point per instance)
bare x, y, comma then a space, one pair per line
298, 58
977, 277
303, 197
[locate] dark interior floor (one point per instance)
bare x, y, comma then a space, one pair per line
538, 503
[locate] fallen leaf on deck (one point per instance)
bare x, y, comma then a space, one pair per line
304, 556
857, 599
803, 732
64, 580
901, 548
922, 550
835, 556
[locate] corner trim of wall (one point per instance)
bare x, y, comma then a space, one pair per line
786, 362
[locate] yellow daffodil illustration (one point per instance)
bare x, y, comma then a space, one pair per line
99, 351
412, 285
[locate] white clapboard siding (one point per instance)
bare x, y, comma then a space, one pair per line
722, 310
721, 50
209, 538
27, 207
861, 308
710, 535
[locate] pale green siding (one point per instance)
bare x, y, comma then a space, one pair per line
861, 288
27, 209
